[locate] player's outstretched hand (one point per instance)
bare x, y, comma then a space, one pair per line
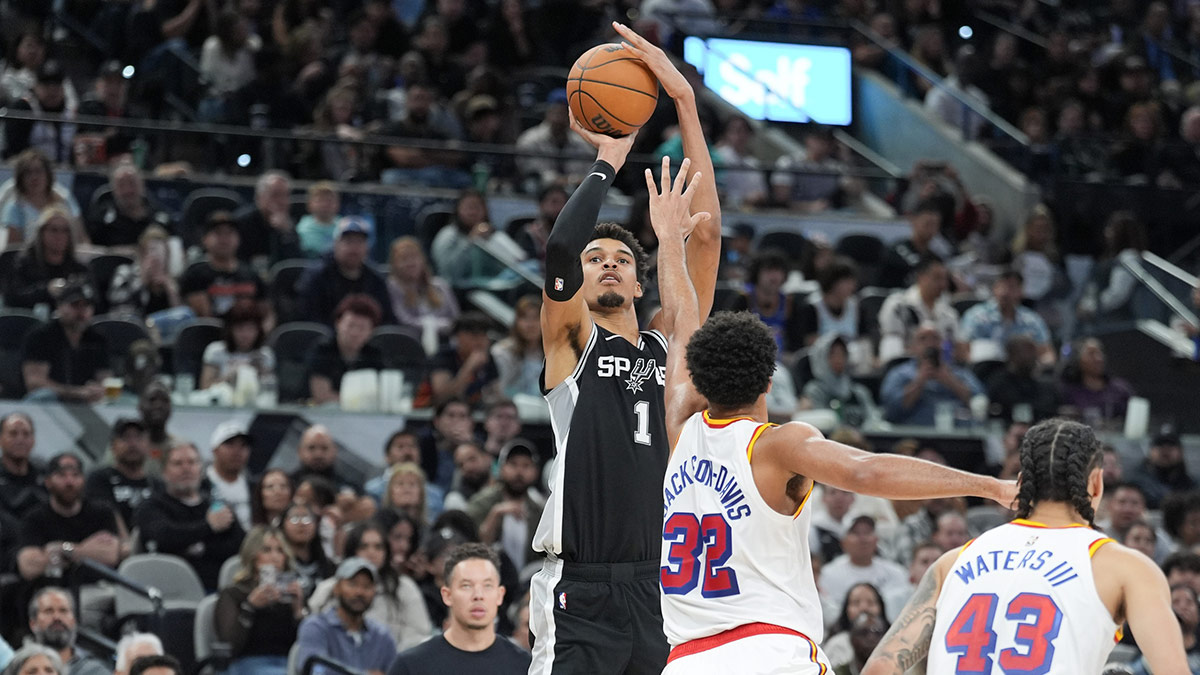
1006, 494
609, 149
656, 60
670, 207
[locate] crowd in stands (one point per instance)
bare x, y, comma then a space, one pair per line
954, 325
426, 565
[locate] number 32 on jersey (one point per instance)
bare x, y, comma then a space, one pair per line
698, 547
971, 635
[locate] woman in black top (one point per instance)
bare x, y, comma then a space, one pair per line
49, 256
356, 316
259, 614
299, 524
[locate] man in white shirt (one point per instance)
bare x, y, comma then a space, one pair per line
225, 478
858, 564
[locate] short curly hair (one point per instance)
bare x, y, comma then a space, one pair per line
615, 231
731, 359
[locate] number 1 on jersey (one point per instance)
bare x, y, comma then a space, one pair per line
641, 410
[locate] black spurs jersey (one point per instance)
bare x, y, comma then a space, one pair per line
610, 436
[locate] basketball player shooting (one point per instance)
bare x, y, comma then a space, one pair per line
1045, 593
594, 605
738, 594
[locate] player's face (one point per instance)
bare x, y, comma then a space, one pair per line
610, 275
473, 593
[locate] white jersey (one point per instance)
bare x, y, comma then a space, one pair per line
729, 559
1022, 598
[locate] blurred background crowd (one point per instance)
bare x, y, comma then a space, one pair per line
296, 209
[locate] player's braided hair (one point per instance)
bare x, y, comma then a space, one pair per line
1057, 456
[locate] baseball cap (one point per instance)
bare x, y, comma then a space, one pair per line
481, 103
518, 446
217, 219
353, 225
76, 290
51, 72
351, 567
1166, 436
557, 96
124, 423
861, 519
62, 461
227, 431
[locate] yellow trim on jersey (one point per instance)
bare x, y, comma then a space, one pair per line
754, 439
963, 549
812, 654
721, 424
1097, 544
1120, 635
811, 485
1032, 523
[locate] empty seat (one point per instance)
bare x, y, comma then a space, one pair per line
197, 207
14, 326
175, 580
103, 267
401, 351
119, 332
187, 354
282, 280
793, 245
292, 343
430, 220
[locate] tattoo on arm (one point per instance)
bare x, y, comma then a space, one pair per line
907, 642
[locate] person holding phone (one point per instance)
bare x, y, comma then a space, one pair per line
913, 390
259, 614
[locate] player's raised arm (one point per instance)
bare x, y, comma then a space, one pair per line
671, 218
704, 244
1147, 607
906, 643
566, 324
801, 449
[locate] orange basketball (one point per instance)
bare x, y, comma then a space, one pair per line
610, 91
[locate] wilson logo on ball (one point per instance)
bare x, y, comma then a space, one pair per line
610, 91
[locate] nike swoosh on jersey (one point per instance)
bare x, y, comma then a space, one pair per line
597, 173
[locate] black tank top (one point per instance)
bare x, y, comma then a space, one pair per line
606, 486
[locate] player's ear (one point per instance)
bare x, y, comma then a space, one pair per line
637, 290
1095, 484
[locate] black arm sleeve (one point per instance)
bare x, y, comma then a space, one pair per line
573, 230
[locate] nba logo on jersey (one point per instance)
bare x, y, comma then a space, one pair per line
562, 600
558, 283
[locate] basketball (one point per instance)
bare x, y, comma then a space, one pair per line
610, 91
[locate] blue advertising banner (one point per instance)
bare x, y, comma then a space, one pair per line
776, 81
